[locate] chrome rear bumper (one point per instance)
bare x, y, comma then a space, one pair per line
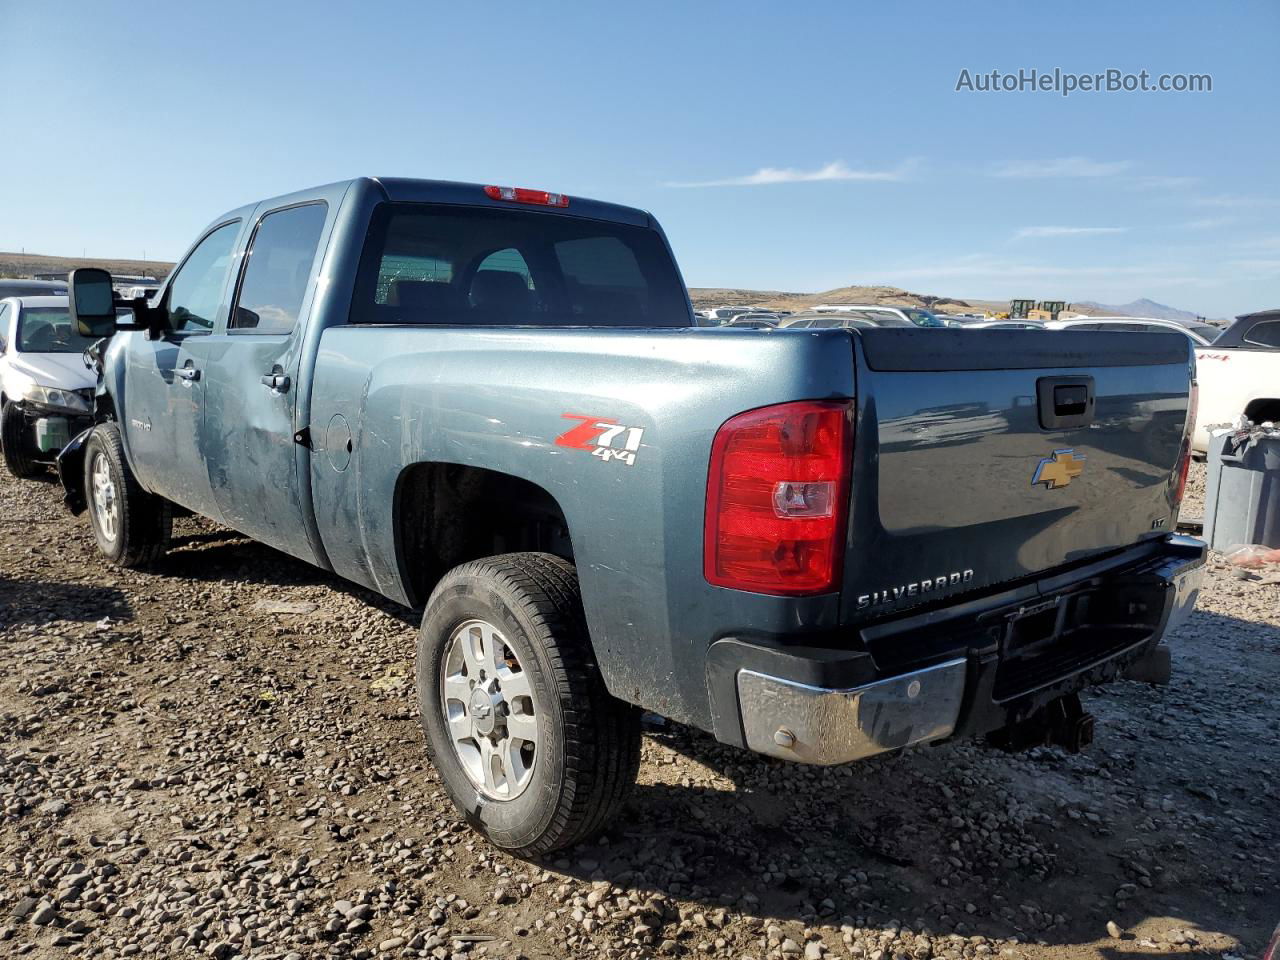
807, 724
1188, 579
838, 721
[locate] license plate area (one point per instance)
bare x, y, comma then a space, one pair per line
1044, 642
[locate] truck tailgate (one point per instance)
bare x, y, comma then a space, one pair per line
982, 457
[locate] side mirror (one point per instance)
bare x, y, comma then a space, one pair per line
92, 302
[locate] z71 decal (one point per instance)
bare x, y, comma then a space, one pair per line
602, 437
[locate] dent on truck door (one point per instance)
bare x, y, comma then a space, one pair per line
165, 378
252, 385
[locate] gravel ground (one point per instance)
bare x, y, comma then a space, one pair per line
222, 758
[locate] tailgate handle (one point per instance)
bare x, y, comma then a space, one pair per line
1065, 402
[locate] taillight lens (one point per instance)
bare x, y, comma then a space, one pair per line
525, 195
1272, 952
1183, 468
777, 494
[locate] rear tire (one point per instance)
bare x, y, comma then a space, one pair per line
574, 760
16, 443
132, 527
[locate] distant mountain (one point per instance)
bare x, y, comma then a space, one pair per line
1139, 308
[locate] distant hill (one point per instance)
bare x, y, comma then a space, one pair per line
894, 296
779, 300
1138, 308
26, 264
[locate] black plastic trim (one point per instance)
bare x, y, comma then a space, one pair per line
954, 350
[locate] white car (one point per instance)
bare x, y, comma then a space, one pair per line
1200, 333
1004, 325
46, 390
1239, 375
719, 315
913, 315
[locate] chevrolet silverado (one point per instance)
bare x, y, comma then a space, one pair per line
492, 403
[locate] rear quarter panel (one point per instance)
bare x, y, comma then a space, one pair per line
498, 399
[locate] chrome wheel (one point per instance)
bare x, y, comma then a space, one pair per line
489, 709
106, 505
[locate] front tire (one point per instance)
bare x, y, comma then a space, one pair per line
16, 444
531, 747
132, 527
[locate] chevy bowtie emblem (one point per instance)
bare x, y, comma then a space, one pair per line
1058, 469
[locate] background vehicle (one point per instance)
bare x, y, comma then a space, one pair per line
1047, 310
1004, 325
913, 315
32, 288
718, 315
1200, 333
1018, 310
848, 319
757, 321
820, 547
45, 388
1239, 374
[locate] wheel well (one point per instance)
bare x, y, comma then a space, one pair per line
446, 514
1263, 409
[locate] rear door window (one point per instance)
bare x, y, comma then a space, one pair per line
281, 257
449, 264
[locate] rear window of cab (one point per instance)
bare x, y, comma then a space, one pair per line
452, 265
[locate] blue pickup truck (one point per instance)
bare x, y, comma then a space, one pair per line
493, 404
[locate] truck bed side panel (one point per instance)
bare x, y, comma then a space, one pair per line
499, 398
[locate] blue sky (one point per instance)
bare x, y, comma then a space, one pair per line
796, 146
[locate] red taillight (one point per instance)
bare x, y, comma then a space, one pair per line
524, 195
1184, 454
777, 493
1272, 952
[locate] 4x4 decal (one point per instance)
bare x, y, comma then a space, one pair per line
602, 437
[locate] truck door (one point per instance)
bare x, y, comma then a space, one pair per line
164, 378
251, 381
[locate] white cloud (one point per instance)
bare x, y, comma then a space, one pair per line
1267, 267
1063, 167
1209, 223
1067, 231
1000, 270
1230, 201
836, 170
1163, 183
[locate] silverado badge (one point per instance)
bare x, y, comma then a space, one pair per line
1058, 469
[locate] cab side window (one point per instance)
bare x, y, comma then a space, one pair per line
196, 290
1265, 334
278, 268
4, 328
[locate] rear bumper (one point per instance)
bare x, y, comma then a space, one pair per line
965, 670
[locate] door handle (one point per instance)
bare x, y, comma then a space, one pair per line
1065, 402
276, 381
189, 373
